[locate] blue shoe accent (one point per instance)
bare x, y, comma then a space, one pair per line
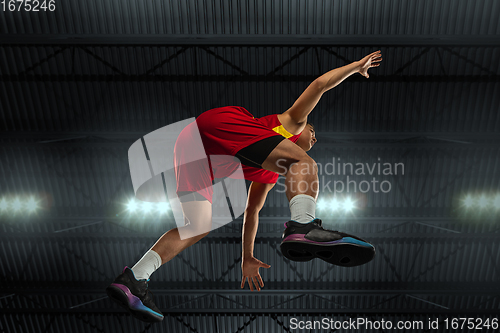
355, 241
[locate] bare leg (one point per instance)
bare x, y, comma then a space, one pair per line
300, 170
170, 244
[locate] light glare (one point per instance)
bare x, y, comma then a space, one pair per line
132, 205
321, 204
468, 202
16, 205
31, 205
483, 202
348, 204
334, 204
3, 204
496, 201
146, 207
163, 207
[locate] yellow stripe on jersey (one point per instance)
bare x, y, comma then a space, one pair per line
281, 130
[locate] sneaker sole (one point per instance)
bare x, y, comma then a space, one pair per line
121, 295
346, 252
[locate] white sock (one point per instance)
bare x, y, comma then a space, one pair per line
303, 208
149, 263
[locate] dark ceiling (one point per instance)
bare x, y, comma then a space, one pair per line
80, 84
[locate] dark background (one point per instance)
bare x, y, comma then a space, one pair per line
79, 85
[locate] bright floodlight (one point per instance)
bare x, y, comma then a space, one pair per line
496, 201
31, 205
132, 205
3, 204
348, 204
163, 207
321, 204
468, 202
16, 205
146, 207
334, 204
483, 202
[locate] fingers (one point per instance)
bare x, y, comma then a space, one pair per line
250, 283
256, 283
265, 265
253, 282
260, 280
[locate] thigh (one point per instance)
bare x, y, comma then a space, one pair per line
285, 153
197, 218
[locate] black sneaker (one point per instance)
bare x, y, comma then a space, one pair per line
133, 295
306, 241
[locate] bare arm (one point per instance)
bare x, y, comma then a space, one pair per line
249, 264
295, 118
257, 194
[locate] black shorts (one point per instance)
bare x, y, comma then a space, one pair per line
255, 154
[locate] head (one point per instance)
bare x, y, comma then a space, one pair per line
307, 138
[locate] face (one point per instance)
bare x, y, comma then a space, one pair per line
307, 138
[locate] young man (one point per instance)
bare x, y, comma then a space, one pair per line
272, 145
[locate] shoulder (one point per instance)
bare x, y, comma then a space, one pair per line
290, 124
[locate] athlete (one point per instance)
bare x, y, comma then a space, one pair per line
266, 147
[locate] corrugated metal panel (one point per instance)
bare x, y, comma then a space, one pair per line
456, 102
446, 17
85, 177
70, 256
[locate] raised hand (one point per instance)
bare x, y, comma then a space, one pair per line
250, 269
371, 60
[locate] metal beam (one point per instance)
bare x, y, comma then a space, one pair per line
275, 237
251, 40
243, 78
130, 137
494, 143
272, 288
274, 216
262, 312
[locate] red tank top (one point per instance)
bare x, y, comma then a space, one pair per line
261, 175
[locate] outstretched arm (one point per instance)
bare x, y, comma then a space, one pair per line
295, 118
250, 265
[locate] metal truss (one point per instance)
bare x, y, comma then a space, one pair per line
253, 40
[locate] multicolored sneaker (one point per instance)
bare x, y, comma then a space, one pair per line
133, 295
306, 241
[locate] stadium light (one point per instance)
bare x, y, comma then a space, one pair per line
321, 204
483, 201
31, 205
16, 204
163, 207
496, 201
334, 204
348, 204
3, 204
132, 205
147, 207
468, 202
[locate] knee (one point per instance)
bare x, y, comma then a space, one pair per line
310, 162
306, 165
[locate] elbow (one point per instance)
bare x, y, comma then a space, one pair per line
320, 84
